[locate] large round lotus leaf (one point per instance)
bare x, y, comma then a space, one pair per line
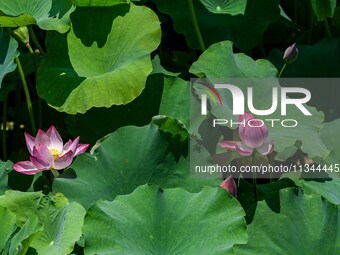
124, 160
305, 225
170, 221
8, 46
99, 66
232, 7
47, 14
219, 62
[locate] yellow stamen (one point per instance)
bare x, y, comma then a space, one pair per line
55, 153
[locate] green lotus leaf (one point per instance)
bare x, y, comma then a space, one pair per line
232, 7
61, 232
4, 167
51, 224
170, 221
158, 68
122, 161
91, 67
23, 236
175, 101
7, 222
8, 53
323, 9
329, 189
329, 135
47, 14
305, 225
219, 62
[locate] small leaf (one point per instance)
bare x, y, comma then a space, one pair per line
47, 14
329, 189
7, 223
31, 226
61, 232
4, 167
323, 9
8, 53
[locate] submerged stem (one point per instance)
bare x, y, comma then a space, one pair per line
27, 95
195, 24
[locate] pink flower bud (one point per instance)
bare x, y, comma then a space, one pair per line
230, 185
291, 54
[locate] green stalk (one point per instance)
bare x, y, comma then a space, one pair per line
282, 69
195, 24
4, 130
26, 245
35, 40
29, 48
36, 43
253, 159
27, 94
55, 173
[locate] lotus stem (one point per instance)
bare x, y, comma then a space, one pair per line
282, 69
35, 40
27, 94
195, 24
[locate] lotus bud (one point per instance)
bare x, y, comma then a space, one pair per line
291, 54
22, 34
230, 185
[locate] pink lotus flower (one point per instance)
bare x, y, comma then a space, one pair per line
230, 185
253, 133
48, 152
